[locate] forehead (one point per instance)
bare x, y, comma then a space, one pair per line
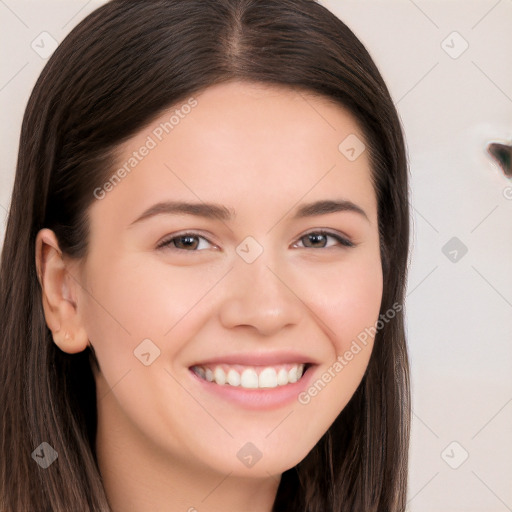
240, 143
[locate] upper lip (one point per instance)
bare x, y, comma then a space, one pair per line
257, 359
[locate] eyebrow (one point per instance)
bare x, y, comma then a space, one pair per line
220, 212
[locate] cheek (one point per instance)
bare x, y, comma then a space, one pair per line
348, 305
349, 299
140, 298
129, 301
120, 310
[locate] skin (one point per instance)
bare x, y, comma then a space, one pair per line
163, 445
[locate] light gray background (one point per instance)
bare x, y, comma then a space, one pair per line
458, 312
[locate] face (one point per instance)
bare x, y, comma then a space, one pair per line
252, 291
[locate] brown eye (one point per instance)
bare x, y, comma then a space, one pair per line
184, 242
318, 240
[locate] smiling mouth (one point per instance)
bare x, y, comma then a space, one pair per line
252, 377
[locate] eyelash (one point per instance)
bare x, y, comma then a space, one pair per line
343, 242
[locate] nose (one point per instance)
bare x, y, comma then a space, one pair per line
259, 295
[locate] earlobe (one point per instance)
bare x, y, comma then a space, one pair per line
57, 293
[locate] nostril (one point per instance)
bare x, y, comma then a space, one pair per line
502, 153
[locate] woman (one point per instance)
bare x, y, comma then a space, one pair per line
263, 367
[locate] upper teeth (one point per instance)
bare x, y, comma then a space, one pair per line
251, 377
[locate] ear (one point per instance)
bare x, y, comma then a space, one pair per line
58, 287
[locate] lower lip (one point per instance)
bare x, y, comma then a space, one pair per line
261, 398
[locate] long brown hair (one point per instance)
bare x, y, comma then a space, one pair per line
120, 68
